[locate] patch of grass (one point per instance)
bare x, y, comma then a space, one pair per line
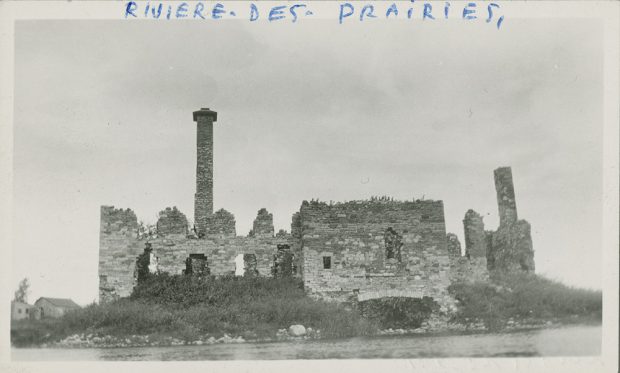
522, 296
188, 308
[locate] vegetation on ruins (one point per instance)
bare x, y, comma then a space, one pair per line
522, 297
399, 312
142, 272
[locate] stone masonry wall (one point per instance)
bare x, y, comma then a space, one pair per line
505, 196
220, 253
221, 224
353, 236
510, 247
463, 269
172, 221
263, 224
296, 244
120, 245
475, 239
118, 249
454, 245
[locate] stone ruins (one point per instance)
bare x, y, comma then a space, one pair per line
349, 251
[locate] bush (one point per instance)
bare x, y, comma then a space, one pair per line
233, 304
187, 291
399, 312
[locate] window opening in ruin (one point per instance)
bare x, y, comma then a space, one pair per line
249, 265
327, 262
196, 265
393, 244
239, 265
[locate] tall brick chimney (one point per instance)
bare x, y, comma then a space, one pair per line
505, 196
203, 199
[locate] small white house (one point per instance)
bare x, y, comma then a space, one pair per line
21, 311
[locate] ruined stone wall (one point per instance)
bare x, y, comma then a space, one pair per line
221, 224
475, 239
172, 221
463, 269
118, 250
454, 245
296, 244
511, 248
356, 237
506, 202
263, 224
120, 245
220, 253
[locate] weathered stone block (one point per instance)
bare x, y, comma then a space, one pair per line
263, 224
475, 240
505, 196
222, 224
172, 221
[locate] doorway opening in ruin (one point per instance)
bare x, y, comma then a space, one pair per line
239, 265
250, 265
283, 262
246, 265
196, 265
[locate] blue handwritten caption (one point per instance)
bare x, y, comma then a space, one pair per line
347, 11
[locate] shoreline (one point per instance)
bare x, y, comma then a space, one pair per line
97, 341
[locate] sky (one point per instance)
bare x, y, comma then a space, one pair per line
103, 116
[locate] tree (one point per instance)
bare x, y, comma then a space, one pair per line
21, 294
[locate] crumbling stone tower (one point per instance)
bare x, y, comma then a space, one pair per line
203, 199
475, 238
505, 196
510, 247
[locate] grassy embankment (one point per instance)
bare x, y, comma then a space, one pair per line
187, 308
524, 298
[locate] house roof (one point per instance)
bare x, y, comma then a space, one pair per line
60, 302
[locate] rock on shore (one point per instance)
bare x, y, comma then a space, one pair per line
297, 330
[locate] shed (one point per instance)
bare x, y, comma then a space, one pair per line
55, 307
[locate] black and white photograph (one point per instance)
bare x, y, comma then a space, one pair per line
310, 182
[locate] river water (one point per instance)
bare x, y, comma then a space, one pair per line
566, 341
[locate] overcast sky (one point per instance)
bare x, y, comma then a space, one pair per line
103, 116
